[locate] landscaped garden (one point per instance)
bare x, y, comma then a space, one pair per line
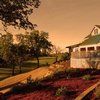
63, 85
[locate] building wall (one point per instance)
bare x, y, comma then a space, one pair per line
80, 63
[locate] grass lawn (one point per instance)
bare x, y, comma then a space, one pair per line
27, 66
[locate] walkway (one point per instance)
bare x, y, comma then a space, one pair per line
35, 74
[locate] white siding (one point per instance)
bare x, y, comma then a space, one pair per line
80, 63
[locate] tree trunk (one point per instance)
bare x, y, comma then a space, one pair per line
38, 63
20, 70
20, 65
56, 58
13, 70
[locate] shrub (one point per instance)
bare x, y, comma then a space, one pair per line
48, 78
87, 77
73, 72
97, 91
62, 91
65, 56
18, 88
23, 88
29, 80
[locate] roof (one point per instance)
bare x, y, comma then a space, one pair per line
97, 26
91, 40
72, 46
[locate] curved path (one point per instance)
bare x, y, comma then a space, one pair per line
38, 73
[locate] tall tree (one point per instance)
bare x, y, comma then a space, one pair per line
6, 42
22, 53
13, 57
38, 41
22, 49
16, 12
17, 56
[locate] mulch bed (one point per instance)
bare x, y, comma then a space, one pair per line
46, 90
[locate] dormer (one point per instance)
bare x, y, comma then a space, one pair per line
96, 30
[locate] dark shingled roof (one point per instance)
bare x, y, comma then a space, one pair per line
97, 26
91, 40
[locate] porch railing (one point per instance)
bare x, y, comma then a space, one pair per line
83, 54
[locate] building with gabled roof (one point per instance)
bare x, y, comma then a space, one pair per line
87, 53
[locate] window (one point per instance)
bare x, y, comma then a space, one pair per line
98, 48
82, 49
76, 49
90, 48
96, 31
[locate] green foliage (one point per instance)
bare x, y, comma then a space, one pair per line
16, 12
29, 85
71, 72
87, 77
65, 56
97, 91
30, 44
62, 91
6, 41
37, 42
93, 60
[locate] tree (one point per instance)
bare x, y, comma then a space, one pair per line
22, 49
12, 54
93, 60
19, 55
56, 50
16, 12
65, 56
6, 42
38, 41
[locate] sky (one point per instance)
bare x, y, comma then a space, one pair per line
66, 21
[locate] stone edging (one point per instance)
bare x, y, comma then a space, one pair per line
83, 94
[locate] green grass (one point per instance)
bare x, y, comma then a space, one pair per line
43, 62
27, 66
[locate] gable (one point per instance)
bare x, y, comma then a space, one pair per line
96, 30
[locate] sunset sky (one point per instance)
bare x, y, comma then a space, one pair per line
67, 21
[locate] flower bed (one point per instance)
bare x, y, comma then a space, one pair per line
57, 87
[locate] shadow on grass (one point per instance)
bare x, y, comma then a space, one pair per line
33, 64
29, 64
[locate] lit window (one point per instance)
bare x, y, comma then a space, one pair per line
90, 48
82, 49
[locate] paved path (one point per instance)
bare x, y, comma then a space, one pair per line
35, 74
